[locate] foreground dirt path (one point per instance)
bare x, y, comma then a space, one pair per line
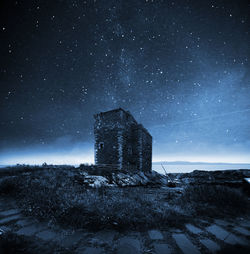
202, 236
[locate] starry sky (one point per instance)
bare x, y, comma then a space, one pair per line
180, 67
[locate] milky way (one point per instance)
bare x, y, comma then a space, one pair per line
180, 67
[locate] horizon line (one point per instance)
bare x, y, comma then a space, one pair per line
202, 162
153, 162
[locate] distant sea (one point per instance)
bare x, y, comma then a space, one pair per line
189, 167
183, 168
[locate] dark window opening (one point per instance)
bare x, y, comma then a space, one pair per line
101, 145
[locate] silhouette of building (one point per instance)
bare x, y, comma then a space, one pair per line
121, 142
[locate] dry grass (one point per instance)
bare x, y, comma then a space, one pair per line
214, 200
58, 195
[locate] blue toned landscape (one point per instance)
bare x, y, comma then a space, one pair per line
187, 167
125, 127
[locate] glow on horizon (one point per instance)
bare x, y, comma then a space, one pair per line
88, 157
51, 158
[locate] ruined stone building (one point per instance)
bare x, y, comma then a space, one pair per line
121, 142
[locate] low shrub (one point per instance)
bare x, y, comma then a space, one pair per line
57, 194
42, 201
214, 200
117, 209
10, 186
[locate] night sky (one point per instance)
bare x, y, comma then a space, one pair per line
182, 68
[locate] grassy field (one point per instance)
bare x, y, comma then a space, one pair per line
56, 194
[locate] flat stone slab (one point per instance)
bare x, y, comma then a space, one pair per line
9, 219
233, 239
242, 231
176, 230
203, 221
245, 223
210, 245
127, 249
31, 230
9, 212
72, 239
217, 231
90, 250
225, 236
128, 245
223, 222
193, 229
46, 235
155, 235
25, 222
185, 244
106, 235
162, 248
4, 229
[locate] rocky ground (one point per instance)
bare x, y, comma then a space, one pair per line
201, 236
44, 210
227, 177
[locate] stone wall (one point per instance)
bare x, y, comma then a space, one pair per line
120, 141
143, 148
106, 146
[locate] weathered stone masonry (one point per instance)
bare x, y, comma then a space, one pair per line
120, 141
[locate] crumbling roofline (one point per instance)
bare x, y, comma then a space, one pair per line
126, 112
115, 110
